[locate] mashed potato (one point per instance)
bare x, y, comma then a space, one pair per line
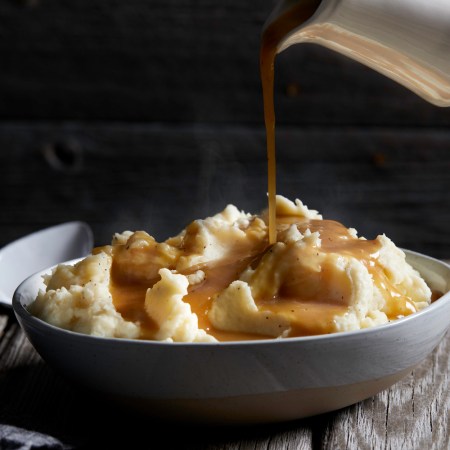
219, 279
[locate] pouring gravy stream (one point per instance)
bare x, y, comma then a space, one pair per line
272, 36
313, 315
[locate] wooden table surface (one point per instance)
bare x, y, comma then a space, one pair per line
412, 414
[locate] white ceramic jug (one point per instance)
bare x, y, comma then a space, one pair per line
406, 40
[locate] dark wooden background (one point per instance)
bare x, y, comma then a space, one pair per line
148, 114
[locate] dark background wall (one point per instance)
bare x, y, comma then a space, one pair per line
148, 114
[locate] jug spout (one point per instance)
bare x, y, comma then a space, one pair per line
406, 40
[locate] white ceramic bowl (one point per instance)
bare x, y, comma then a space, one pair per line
258, 381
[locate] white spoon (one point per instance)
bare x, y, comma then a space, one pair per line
39, 250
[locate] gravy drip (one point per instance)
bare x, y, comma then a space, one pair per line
271, 37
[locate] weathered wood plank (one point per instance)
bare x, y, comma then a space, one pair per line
3, 323
187, 61
159, 178
413, 414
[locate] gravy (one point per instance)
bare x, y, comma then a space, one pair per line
271, 37
310, 310
309, 298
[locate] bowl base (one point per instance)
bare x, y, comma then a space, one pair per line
263, 408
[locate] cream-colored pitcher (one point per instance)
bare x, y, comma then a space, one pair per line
406, 40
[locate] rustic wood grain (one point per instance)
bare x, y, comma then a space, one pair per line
172, 60
159, 178
413, 414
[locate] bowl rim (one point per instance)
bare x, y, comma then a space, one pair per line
22, 312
